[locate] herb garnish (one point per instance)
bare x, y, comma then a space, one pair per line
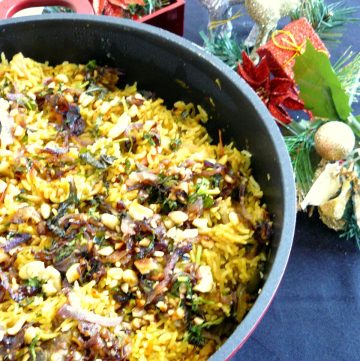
32, 348
201, 191
72, 200
102, 163
175, 144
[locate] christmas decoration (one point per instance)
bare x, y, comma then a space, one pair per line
127, 8
326, 185
225, 48
165, 14
316, 77
332, 211
115, 7
310, 98
333, 188
285, 45
347, 71
326, 20
333, 191
267, 14
334, 141
278, 94
220, 16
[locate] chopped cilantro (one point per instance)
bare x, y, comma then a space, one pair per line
65, 251
195, 337
95, 130
175, 144
99, 238
149, 137
168, 181
197, 301
169, 205
215, 180
91, 65
194, 332
201, 190
202, 186
127, 166
208, 201
33, 282
32, 348
183, 283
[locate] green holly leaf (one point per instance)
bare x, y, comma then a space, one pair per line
320, 88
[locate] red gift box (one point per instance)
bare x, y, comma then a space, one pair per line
287, 44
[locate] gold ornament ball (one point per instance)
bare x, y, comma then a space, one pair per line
334, 140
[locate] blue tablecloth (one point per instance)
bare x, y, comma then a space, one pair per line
316, 312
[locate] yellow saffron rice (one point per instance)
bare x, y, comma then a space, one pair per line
125, 234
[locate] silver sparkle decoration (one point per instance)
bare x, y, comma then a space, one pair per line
265, 13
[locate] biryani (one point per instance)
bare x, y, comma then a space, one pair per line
125, 233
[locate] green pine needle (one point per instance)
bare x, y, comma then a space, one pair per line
149, 7
347, 69
300, 147
325, 18
224, 47
351, 231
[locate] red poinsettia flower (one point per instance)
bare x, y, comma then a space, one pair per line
114, 7
278, 94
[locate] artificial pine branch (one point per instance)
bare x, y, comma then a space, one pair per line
351, 230
300, 146
224, 47
325, 18
149, 6
347, 69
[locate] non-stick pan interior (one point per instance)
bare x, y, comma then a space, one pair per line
176, 69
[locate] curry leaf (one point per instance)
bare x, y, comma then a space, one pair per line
53, 222
320, 88
104, 161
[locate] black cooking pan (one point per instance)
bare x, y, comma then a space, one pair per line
177, 69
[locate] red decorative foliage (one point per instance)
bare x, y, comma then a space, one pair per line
114, 7
278, 94
112, 10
